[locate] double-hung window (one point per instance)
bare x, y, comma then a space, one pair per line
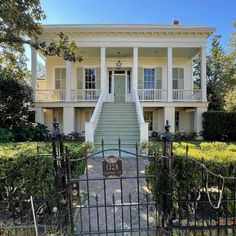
60, 78
178, 78
89, 78
149, 78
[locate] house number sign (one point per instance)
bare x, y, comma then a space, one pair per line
112, 167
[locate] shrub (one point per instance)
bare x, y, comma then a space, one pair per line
5, 135
219, 125
218, 157
30, 132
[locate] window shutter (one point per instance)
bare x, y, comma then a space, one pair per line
140, 78
98, 78
80, 78
158, 72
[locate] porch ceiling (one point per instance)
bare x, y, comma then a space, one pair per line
143, 52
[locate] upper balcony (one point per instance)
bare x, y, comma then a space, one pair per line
92, 95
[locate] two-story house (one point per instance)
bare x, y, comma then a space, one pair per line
131, 80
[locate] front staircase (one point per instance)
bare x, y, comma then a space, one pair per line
117, 120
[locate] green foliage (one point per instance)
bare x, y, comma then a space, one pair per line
230, 100
36, 177
218, 157
30, 132
5, 135
221, 74
15, 99
219, 125
21, 24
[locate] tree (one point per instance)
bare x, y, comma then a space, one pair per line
221, 71
15, 99
20, 24
230, 100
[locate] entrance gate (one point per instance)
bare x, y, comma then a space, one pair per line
111, 197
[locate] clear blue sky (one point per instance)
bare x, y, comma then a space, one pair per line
215, 13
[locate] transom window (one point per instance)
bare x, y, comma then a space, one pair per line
178, 78
60, 78
90, 78
149, 78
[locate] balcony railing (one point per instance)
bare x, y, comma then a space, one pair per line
50, 95
187, 95
147, 95
58, 95
152, 95
85, 94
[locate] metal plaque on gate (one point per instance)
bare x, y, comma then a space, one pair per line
112, 167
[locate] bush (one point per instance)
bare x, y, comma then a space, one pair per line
5, 135
218, 157
30, 132
219, 125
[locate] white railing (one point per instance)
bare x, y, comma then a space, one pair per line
152, 95
50, 95
142, 125
187, 95
149, 95
91, 125
85, 94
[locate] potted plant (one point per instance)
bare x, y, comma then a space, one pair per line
144, 147
89, 146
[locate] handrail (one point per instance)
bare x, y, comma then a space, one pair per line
143, 126
91, 125
138, 107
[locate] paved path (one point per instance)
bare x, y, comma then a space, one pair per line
121, 192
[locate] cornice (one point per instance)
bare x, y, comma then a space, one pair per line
127, 30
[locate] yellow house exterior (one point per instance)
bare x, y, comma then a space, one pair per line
149, 66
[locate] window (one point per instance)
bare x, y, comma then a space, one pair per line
90, 78
149, 78
129, 82
148, 117
110, 82
60, 78
178, 78
176, 120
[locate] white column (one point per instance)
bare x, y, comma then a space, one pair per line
198, 119
68, 80
169, 74
169, 114
34, 68
103, 70
203, 74
39, 115
68, 120
135, 68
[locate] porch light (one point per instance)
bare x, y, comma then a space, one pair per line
118, 64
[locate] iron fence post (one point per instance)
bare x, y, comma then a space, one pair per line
166, 180
61, 178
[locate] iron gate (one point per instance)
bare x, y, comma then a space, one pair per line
111, 197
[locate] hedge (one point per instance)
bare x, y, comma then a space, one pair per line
219, 126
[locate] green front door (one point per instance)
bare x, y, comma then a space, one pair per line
119, 88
